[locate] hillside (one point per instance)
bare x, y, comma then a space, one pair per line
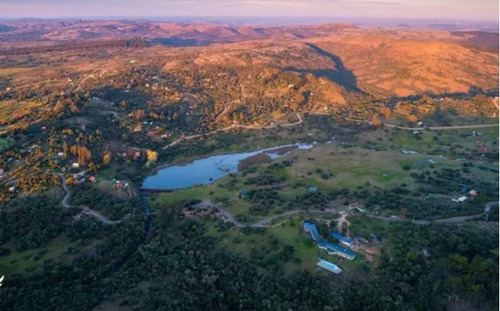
125, 94
206, 166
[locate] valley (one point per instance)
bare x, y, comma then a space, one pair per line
155, 165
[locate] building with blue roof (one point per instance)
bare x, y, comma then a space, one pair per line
311, 228
342, 239
334, 249
329, 266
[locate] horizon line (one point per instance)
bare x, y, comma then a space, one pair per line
153, 17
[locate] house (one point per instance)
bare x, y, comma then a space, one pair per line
312, 229
75, 165
329, 266
461, 199
404, 151
357, 206
243, 194
334, 249
60, 155
361, 210
342, 239
471, 193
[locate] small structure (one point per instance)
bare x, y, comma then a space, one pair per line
357, 206
461, 199
342, 239
329, 266
92, 179
404, 151
1, 171
334, 249
244, 194
361, 210
75, 165
312, 189
312, 229
471, 193
60, 154
12, 189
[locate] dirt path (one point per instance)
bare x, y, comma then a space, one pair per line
226, 108
340, 223
234, 126
265, 222
86, 210
88, 76
254, 127
65, 200
99, 216
457, 127
436, 128
487, 208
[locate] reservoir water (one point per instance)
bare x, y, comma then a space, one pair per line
206, 170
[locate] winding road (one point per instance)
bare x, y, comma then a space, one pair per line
487, 208
266, 222
234, 126
456, 127
255, 127
86, 210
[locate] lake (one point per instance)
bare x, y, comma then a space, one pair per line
206, 170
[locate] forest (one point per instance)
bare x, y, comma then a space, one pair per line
176, 266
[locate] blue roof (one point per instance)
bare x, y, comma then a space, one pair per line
336, 248
329, 266
341, 238
310, 227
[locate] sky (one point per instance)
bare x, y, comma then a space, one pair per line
477, 10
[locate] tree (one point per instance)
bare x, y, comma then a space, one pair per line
376, 122
386, 112
152, 155
106, 158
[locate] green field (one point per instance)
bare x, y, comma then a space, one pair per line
18, 262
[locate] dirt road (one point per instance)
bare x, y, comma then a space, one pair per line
86, 210
457, 127
487, 208
265, 222
234, 126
